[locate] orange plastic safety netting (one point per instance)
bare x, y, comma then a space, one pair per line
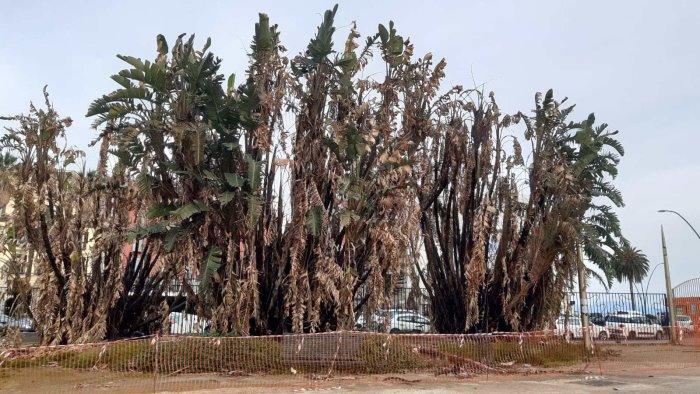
176, 363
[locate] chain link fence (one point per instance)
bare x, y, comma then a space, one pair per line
322, 360
197, 362
629, 332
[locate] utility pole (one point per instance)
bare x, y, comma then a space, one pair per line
669, 293
583, 297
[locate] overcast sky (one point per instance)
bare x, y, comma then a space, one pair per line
636, 64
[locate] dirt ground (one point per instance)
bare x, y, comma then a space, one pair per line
652, 368
676, 381
686, 380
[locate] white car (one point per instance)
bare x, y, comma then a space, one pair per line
633, 325
685, 323
573, 328
377, 319
187, 323
408, 322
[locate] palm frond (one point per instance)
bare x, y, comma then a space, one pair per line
207, 269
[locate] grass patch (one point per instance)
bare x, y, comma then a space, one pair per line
187, 355
545, 354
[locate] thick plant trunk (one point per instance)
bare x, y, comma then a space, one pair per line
634, 304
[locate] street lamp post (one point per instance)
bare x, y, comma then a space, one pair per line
681, 216
669, 291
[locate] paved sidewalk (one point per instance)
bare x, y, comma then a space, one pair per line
676, 381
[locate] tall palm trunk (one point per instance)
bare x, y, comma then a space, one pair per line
634, 306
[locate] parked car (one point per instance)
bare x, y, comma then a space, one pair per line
597, 318
187, 323
633, 325
408, 322
599, 332
377, 319
685, 323
627, 313
573, 329
24, 324
362, 323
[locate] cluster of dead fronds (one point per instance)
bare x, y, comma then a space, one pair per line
73, 226
283, 228
500, 234
301, 195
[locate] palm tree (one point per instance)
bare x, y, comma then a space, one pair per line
595, 163
630, 264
